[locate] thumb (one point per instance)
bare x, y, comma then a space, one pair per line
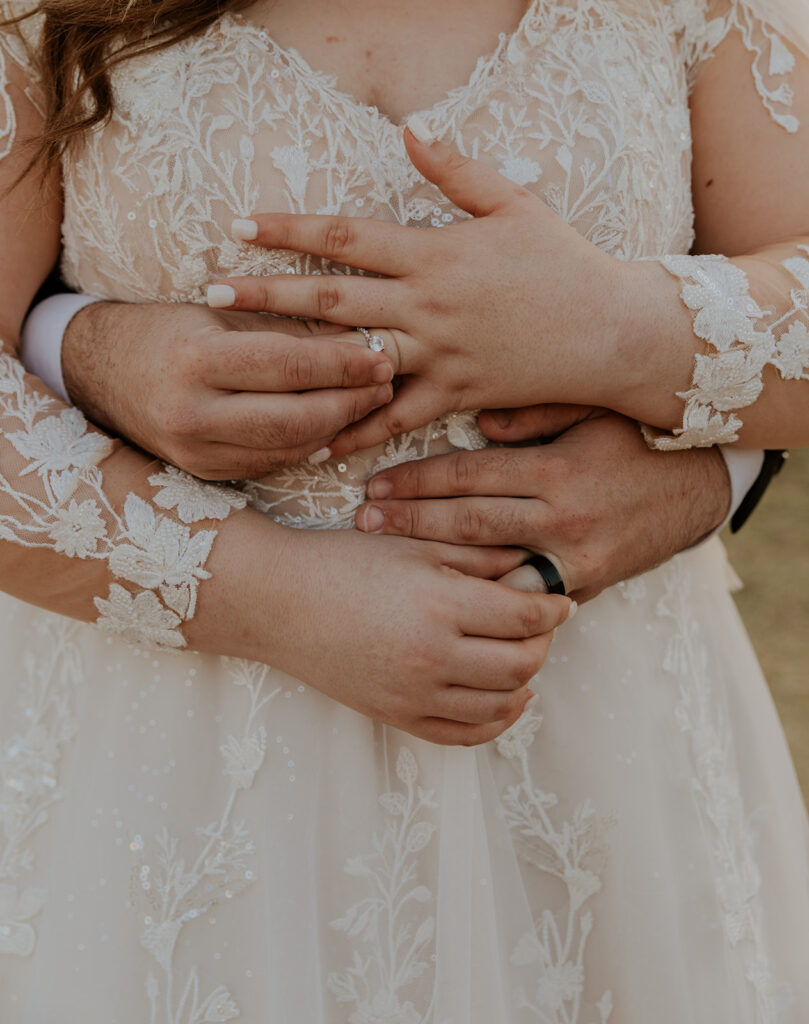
509, 426
469, 184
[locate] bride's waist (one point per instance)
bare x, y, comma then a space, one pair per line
326, 496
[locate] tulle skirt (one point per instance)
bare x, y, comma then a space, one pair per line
188, 839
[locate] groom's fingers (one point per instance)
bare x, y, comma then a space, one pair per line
275, 363
361, 242
477, 520
278, 422
507, 472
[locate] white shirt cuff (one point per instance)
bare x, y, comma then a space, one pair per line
744, 466
42, 335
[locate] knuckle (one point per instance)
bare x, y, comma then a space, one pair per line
394, 424
188, 357
327, 299
298, 367
576, 524
531, 619
470, 524
357, 405
180, 421
338, 239
525, 670
462, 475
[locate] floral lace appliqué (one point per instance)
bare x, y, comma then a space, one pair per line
746, 338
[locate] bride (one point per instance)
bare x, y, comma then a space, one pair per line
189, 835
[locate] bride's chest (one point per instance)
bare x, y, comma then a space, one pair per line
394, 56
585, 104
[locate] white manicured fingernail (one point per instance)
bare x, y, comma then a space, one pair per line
420, 130
244, 230
220, 296
574, 607
319, 457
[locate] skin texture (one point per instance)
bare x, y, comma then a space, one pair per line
595, 497
223, 395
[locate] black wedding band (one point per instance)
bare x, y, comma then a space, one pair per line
548, 571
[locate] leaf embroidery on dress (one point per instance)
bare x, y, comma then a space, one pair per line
717, 796
570, 851
29, 773
176, 891
391, 926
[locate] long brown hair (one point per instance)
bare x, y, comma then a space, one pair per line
82, 40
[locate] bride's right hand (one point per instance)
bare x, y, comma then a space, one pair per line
411, 633
223, 396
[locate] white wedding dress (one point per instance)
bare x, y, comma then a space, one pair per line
187, 839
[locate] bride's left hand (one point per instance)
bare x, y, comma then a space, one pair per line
511, 308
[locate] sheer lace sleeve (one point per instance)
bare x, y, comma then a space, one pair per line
750, 315
88, 527
707, 23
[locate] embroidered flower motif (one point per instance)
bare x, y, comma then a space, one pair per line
162, 551
521, 170
78, 529
385, 1008
746, 339
244, 757
140, 619
17, 937
719, 295
792, 352
293, 162
159, 939
560, 984
194, 500
516, 740
62, 442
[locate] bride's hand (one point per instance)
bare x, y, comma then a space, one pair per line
509, 309
413, 634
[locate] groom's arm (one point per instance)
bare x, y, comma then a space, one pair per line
219, 395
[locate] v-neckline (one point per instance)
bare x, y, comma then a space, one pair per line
485, 67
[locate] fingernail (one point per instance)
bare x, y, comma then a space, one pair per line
244, 230
380, 489
574, 607
320, 456
382, 373
532, 703
420, 130
220, 296
383, 395
371, 519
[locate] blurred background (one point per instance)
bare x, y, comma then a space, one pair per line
771, 555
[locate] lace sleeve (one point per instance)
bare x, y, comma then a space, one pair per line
88, 527
705, 24
746, 329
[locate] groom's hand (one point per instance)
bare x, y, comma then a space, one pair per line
595, 498
222, 395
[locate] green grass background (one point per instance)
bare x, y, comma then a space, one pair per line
771, 555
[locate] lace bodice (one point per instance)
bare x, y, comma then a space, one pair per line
585, 103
